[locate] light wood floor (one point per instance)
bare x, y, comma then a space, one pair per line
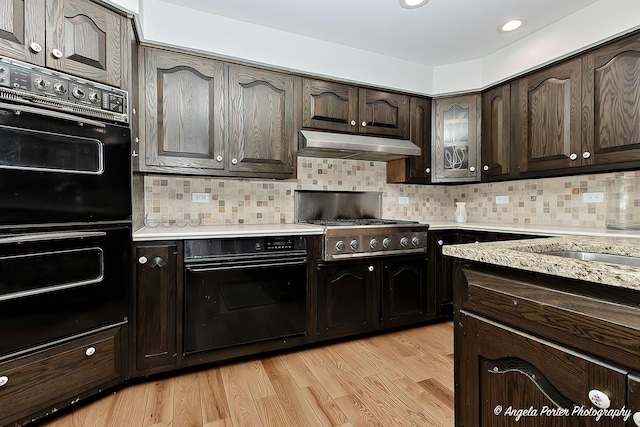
398, 379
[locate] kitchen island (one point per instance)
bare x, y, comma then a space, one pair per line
545, 339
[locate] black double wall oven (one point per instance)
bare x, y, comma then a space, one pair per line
65, 206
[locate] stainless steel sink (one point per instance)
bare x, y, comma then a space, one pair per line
594, 256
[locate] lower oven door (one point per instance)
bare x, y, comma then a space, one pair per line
239, 302
59, 283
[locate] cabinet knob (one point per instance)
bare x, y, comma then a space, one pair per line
4, 380
441, 242
485, 167
636, 418
364, 124
234, 161
428, 170
56, 53
35, 47
353, 122
370, 268
90, 351
599, 399
573, 156
586, 155
143, 260
472, 168
218, 158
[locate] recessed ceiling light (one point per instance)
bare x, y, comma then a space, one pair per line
413, 4
511, 25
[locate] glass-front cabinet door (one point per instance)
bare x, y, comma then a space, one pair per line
456, 139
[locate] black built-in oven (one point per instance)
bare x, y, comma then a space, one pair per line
65, 206
243, 291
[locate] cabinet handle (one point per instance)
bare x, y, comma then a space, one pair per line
636, 418
218, 158
599, 399
573, 156
90, 351
428, 170
56, 53
353, 122
441, 242
35, 47
143, 260
586, 155
364, 124
4, 380
234, 161
485, 167
472, 168
370, 268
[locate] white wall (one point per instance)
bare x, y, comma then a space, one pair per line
173, 25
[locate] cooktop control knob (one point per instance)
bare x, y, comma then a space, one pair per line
60, 88
340, 245
94, 96
78, 93
354, 245
415, 241
41, 84
386, 242
373, 243
404, 242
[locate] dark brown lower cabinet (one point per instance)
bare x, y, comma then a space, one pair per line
156, 305
361, 296
504, 372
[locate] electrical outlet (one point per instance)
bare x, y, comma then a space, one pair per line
403, 200
502, 200
593, 197
200, 197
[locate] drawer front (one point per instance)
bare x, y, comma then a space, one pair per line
58, 374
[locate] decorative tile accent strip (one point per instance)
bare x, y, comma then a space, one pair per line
556, 201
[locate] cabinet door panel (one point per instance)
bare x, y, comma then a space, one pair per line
496, 132
330, 106
22, 23
262, 132
404, 292
550, 118
612, 103
184, 111
500, 366
89, 38
383, 113
156, 288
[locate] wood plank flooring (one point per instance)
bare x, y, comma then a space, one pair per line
402, 378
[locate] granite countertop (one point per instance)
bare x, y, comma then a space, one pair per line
176, 232
526, 255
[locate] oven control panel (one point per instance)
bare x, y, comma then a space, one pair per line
27, 83
242, 247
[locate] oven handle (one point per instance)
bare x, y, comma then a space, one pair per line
225, 267
54, 114
36, 237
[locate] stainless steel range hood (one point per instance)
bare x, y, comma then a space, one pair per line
357, 147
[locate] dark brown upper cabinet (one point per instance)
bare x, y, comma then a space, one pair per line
548, 126
262, 121
182, 121
496, 152
611, 103
340, 107
73, 36
415, 169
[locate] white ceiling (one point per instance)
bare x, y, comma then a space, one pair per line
441, 32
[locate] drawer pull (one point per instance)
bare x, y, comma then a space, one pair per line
599, 399
4, 380
90, 351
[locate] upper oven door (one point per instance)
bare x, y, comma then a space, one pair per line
59, 168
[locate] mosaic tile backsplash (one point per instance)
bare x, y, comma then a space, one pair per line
557, 201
